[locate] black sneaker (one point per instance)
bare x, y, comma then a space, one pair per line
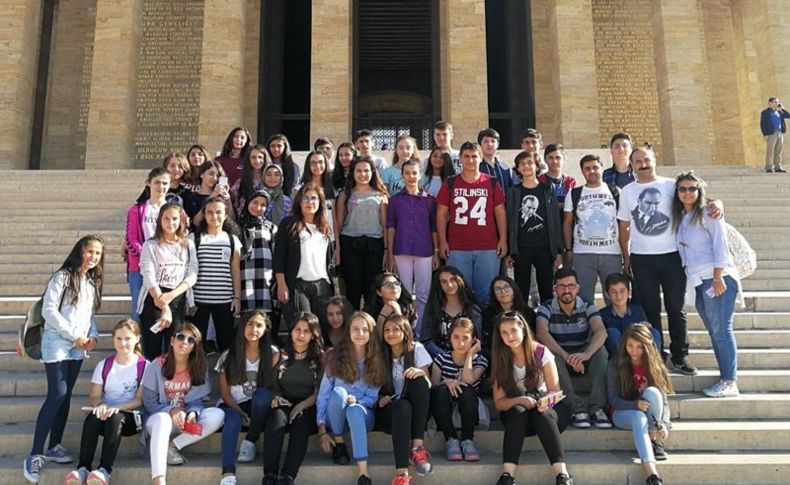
769, 170
506, 479
654, 480
563, 479
780, 170
285, 480
684, 367
210, 347
658, 450
364, 480
269, 479
340, 454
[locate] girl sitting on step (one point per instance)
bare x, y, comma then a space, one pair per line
338, 313
174, 386
638, 386
73, 295
349, 392
116, 397
246, 379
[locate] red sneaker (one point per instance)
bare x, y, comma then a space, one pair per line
401, 480
419, 458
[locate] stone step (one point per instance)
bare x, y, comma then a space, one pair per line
117, 284
777, 284
747, 358
12, 265
41, 279
18, 305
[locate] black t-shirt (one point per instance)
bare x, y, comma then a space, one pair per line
533, 231
193, 202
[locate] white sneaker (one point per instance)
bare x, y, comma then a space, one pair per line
246, 452
174, 458
722, 389
228, 479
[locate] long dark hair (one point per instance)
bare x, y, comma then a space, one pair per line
320, 220
227, 147
652, 363
408, 349
205, 167
447, 168
315, 349
338, 174
73, 265
375, 180
235, 367
192, 176
699, 206
406, 302
326, 178
228, 226
246, 187
502, 358
197, 366
437, 299
155, 172
286, 162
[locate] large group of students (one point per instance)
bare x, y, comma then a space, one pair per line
362, 294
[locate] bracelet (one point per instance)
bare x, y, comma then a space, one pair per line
237, 298
322, 434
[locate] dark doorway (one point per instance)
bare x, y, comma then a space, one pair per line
396, 69
284, 80
511, 85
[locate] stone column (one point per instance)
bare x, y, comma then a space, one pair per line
681, 73
252, 42
331, 92
574, 76
112, 106
222, 82
464, 76
19, 36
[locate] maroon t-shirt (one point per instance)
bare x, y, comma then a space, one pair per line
472, 226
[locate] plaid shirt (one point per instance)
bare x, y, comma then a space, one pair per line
610, 176
256, 269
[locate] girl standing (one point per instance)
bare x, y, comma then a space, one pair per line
178, 167
456, 379
361, 217
209, 173
403, 404
218, 287
280, 153
246, 379
116, 397
303, 254
349, 392
638, 386
140, 227
169, 268
523, 372
279, 203
257, 244
317, 172
174, 386
298, 373
197, 155
234, 151
338, 314
437, 170
450, 298
412, 244
712, 277
73, 295
405, 149
251, 179
345, 154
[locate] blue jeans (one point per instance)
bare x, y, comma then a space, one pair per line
61, 377
479, 268
355, 417
614, 335
716, 314
135, 284
257, 407
641, 423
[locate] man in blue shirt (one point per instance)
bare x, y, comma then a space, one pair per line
620, 173
772, 125
620, 313
488, 140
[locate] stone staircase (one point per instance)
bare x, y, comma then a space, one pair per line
733, 441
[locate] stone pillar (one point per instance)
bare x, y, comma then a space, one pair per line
252, 49
19, 36
574, 76
331, 92
682, 77
464, 76
222, 86
112, 106
544, 62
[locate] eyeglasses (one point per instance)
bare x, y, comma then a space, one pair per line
572, 286
391, 285
189, 339
309, 198
502, 289
692, 189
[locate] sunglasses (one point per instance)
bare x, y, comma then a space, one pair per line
391, 285
692, 190
189, 339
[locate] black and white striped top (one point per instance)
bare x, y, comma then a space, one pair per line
214, 284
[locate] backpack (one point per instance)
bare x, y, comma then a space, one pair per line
743, 256
576, 195
109, 361
31, 332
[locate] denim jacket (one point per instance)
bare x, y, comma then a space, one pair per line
366, 394
65, 322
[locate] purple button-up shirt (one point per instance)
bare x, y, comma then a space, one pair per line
413, 216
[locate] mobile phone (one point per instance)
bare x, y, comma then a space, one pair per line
223, 181
710, 292
157, 327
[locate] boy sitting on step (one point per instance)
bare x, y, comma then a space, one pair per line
620, 313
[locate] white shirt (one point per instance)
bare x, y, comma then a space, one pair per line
149, 220
421, 359
648, 207
596, 228
519, 373
312, 248
121, 382
241, 392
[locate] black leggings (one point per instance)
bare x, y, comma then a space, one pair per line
405, 418
361, 260
442, 411
543, 262
153, 342
61, 377
120, 424
520, 423
300, 430
224, 322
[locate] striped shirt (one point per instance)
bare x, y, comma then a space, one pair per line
451, 370
214, 284
572, 332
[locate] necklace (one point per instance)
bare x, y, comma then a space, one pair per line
300, 355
